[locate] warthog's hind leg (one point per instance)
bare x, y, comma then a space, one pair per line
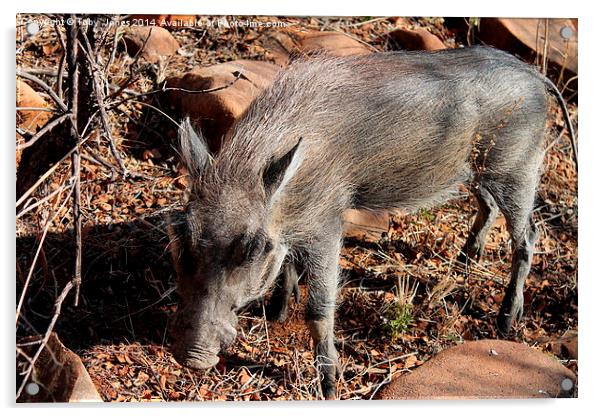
288, 285
486, 215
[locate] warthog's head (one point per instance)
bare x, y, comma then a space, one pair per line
226, 246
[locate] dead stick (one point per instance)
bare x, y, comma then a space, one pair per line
49, 126
114, 104
73, 69
77, 219
97, 159
46, 109
546, 46
104, 117
113, 50
61, 70
41, 201
35, 258
47, 174
25, 133
33, 70
57, 311
130, 77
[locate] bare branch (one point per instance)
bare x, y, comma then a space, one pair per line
98, 83
49, 126
37, 255
49, 172
41, 201
73, 66
46, 109
97, 159
113, 50
43, 71
136, 96
61, 70
57, 311
25, 133
129, 80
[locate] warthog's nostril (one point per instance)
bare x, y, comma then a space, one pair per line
196, 358
199, 364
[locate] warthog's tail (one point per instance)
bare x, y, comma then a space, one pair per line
567, 121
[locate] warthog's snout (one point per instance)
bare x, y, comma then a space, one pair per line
197, 344
197, 358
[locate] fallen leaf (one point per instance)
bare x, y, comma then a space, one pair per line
244, 376
141, 379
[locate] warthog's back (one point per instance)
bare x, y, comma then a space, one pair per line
392, 129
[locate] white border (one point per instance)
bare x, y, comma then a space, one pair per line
589, 230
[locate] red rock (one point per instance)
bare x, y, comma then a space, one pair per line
283, 44
398, 21
62, 376
19, 141
566, 346
215, 112
164, 20
160, 42
416, 40
29, 120
526, 37
487, 369
365, 225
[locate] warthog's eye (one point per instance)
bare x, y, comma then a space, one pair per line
248, 248
268, 247
255, 247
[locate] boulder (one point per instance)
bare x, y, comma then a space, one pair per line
487, 369
214, 112
29, 120
283, 44
365, 225
566, 346
59, 376
526, 37
398, 21
160, 42
416, 40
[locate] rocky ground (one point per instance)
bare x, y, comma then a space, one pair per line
404, 297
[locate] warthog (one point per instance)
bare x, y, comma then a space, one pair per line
386, 130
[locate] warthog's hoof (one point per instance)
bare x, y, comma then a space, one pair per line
506, 317
469, 255
503, 325
329, 392
282, 315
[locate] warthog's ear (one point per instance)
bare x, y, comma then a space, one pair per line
280, 170
193, 149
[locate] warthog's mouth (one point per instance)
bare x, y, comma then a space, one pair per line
200, 364
197, 359
198, 347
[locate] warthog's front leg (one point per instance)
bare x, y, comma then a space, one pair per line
322, 281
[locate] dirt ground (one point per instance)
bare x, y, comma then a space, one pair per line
120, 326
